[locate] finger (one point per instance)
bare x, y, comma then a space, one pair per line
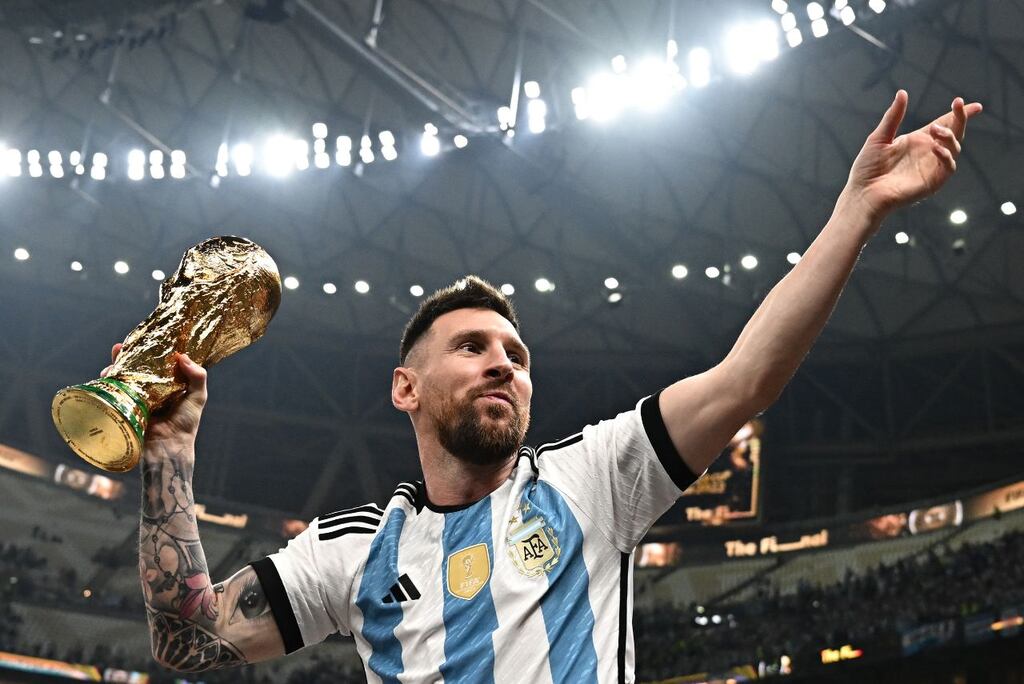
115, 350
959, 117
891, 120
105, 372
946, 136
945, 155
193, 373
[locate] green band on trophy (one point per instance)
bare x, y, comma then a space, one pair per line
122, 409
139, 401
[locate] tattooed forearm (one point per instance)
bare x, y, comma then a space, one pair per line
196, 625
184, 645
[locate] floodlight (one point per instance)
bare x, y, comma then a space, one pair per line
319, 130
1008, 208
330, 288
21, 254
387, 138
611, 283
460, 141
242, 155
416, 291
819, 27
749, 262
679, 271
362, 287
712, 272
958, 217
291, 282
508, 289
531, 89
158, 274
793, 258
121, 267
902, 238
76, 266
699, 61
279, 156
429, 144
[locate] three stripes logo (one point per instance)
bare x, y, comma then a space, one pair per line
358, 520
401, 591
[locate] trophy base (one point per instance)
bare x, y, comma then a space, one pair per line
103, 421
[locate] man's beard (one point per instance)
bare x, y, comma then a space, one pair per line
463, 434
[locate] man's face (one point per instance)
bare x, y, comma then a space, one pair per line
475, 384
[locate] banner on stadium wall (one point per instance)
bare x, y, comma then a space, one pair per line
926, 637
52, 668
729, 492
742, 673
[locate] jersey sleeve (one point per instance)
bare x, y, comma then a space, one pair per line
623, 473
298, 591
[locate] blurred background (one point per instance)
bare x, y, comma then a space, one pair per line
637, 176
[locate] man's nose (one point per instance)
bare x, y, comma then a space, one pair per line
499, 365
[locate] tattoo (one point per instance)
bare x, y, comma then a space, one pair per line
186, 611
185, 646
252, 602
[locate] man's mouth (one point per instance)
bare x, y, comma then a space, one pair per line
499, 397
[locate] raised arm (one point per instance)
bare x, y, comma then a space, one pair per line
194, 624
703, 412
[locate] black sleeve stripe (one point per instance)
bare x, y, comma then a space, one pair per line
277, 597
406, 495
654, 425
349, 529
554, 446
368, 508
345, 520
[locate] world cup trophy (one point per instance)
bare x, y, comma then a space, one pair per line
220, 299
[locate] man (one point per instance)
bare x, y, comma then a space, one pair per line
506, 563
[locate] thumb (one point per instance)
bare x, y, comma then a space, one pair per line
891, 120
194, 374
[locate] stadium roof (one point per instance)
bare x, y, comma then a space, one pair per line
745, 165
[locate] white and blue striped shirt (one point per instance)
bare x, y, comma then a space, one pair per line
531, 583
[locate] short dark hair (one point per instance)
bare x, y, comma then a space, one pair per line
470, 292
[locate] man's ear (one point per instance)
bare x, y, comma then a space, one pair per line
404, 392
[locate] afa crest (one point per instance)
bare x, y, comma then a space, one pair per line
469, 569
532, 545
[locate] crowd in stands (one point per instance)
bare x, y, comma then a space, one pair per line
937, 584
873, 607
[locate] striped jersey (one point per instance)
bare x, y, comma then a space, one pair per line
532, 583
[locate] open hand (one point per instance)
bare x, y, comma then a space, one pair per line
178, 422
892, 171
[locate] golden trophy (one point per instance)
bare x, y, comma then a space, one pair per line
220, 299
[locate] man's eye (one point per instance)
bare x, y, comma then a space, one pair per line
469, 346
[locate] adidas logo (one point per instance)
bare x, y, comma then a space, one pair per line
401, 591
